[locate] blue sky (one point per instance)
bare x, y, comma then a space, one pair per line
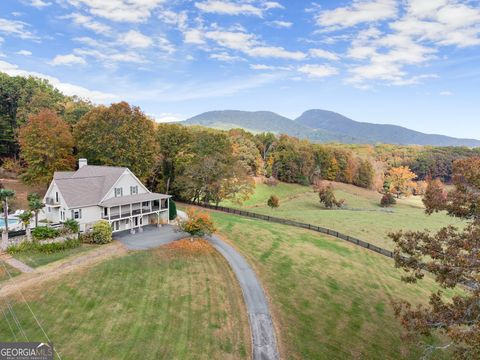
413, 63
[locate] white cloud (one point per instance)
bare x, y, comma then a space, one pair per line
318, 71
16, 28
88, 23
248, 44
193, 36
134, 11
412, 39
66, 88
135, 39
280, 24
446, 93
167, 117
236, 7
225, 57
38, 3
323, 54
361, 11
275, 52
69, 59
24, 52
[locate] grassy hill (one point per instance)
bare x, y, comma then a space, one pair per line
168, 303
330, 299
362, 218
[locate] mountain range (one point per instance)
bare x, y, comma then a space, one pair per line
323, 126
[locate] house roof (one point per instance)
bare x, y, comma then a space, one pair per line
132, 199
88, 185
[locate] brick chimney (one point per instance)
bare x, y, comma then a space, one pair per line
82, 162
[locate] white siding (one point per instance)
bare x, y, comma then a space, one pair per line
124, 182
90, 215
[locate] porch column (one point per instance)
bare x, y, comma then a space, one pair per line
132, 229
168, 211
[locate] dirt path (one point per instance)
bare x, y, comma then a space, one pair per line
17, 264
57, 269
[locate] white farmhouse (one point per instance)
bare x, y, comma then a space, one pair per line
103, 192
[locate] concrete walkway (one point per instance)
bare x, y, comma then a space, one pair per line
17, 264
261, 325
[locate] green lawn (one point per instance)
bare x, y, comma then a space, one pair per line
331, 299
168, 303
9, 270
362, 218
36, 258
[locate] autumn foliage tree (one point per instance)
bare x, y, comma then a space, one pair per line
452, 256
197, 223
327, 196
118, 135
273, 202
46, 145
401, 180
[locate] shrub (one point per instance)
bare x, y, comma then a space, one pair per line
71, 226
48, 248
172, 209
327, 196
303, 180
102, 232
44, 232
388, 200
270, 181
197, 224
273, 201
86, 237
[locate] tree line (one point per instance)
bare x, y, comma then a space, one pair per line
45, 131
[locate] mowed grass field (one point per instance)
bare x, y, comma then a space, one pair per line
362, 216
174, 302
35, 259
330, 299
5, 270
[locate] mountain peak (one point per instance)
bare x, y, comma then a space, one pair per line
320, 125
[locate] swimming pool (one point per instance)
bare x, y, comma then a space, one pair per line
11, 222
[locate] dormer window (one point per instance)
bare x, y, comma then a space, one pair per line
134, 190
118, 192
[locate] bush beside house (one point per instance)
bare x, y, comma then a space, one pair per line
102, 232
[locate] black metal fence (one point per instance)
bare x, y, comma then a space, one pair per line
16, 233
316, 228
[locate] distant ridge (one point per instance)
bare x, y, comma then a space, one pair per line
324, 126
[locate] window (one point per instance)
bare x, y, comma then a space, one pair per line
105, 211
77, 214
56, 196
62, 215
118, 192
134, 190
49, 209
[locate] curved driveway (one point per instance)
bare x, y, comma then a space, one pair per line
261, 325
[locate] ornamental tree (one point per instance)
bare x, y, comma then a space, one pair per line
197, 224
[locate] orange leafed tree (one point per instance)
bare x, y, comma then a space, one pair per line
46, 145
401, 180
198, 223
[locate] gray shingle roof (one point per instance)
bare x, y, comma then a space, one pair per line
88, 185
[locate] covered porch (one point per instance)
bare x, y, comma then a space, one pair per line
135, 211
